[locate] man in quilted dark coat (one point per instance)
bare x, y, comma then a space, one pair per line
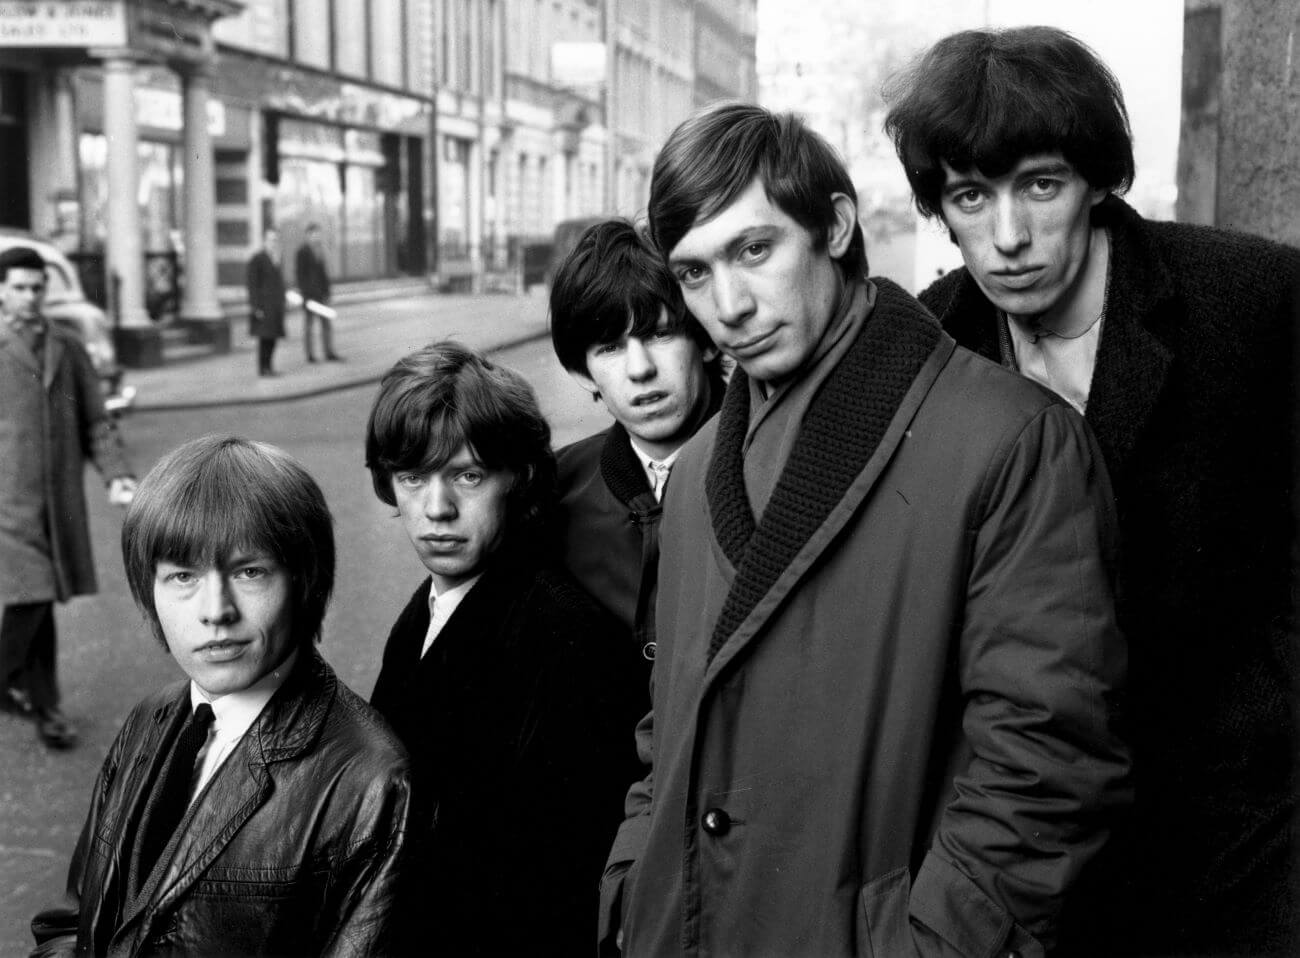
1176, 342
887, 656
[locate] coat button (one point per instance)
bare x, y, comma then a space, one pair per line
648, 651
716, 822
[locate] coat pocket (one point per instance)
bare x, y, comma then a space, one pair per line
882, 925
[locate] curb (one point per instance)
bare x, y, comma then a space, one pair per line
309, 392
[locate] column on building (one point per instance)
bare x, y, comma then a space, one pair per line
53, 177
139, 342
200, 309
474, 181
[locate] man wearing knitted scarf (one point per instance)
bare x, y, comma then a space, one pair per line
1177, 343
887, 673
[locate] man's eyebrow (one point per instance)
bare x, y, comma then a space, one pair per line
747, 235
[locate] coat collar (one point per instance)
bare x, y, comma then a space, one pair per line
16, 346
1134, 355
288, 727
848, 434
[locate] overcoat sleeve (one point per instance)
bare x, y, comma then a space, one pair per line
1041, 666
629, 842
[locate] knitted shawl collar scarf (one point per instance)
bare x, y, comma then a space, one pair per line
840, 431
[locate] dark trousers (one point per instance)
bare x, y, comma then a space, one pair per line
265, 348
27, 652
326, 333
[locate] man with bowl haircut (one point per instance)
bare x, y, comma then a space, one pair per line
620, 328
1177, 343
887, 651
260, 808
513, 690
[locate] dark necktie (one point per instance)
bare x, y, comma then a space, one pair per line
171, 797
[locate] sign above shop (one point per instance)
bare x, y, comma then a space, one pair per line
62, 23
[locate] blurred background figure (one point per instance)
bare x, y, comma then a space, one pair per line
266, 300
52, 420
314, 284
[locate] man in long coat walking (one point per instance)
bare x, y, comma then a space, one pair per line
52, 420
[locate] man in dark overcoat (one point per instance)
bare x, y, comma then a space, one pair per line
1176, 342
620, 328
314, 284
52, 421
887, 656
266, 300
512, 689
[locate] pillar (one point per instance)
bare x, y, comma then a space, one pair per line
200, 309
139, 342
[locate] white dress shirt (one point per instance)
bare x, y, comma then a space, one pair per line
232, 715
442, 606
1063, 365
656, 470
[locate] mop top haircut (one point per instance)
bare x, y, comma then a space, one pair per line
614, 277
445, 396
985, 99
217, 496
713, 156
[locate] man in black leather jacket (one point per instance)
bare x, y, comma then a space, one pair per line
294, 840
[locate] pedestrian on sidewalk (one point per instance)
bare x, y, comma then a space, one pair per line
52, 420
266, 299
314, 284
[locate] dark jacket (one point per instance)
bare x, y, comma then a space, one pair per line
881, 718
610, 523
518, 721
265, 297
298, 845
1192, 403
309, 271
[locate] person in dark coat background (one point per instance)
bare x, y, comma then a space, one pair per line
314, 284
52, 421
511, 688
1176, 342
620, 328
266, 300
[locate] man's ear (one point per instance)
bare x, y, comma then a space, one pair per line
840, 234
1097, 195
709, 353
585, 381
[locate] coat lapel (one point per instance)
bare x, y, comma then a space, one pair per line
53, 356
287, 727
850, 432
13, 343
1133, 358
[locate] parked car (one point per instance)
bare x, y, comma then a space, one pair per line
567, 234
66, 304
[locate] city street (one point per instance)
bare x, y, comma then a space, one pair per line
107, 660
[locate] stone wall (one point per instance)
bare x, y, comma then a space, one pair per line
1239, 150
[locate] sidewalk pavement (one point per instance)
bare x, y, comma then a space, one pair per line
370, 336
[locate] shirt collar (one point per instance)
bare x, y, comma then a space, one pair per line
646, 459
234, 712
448, 600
